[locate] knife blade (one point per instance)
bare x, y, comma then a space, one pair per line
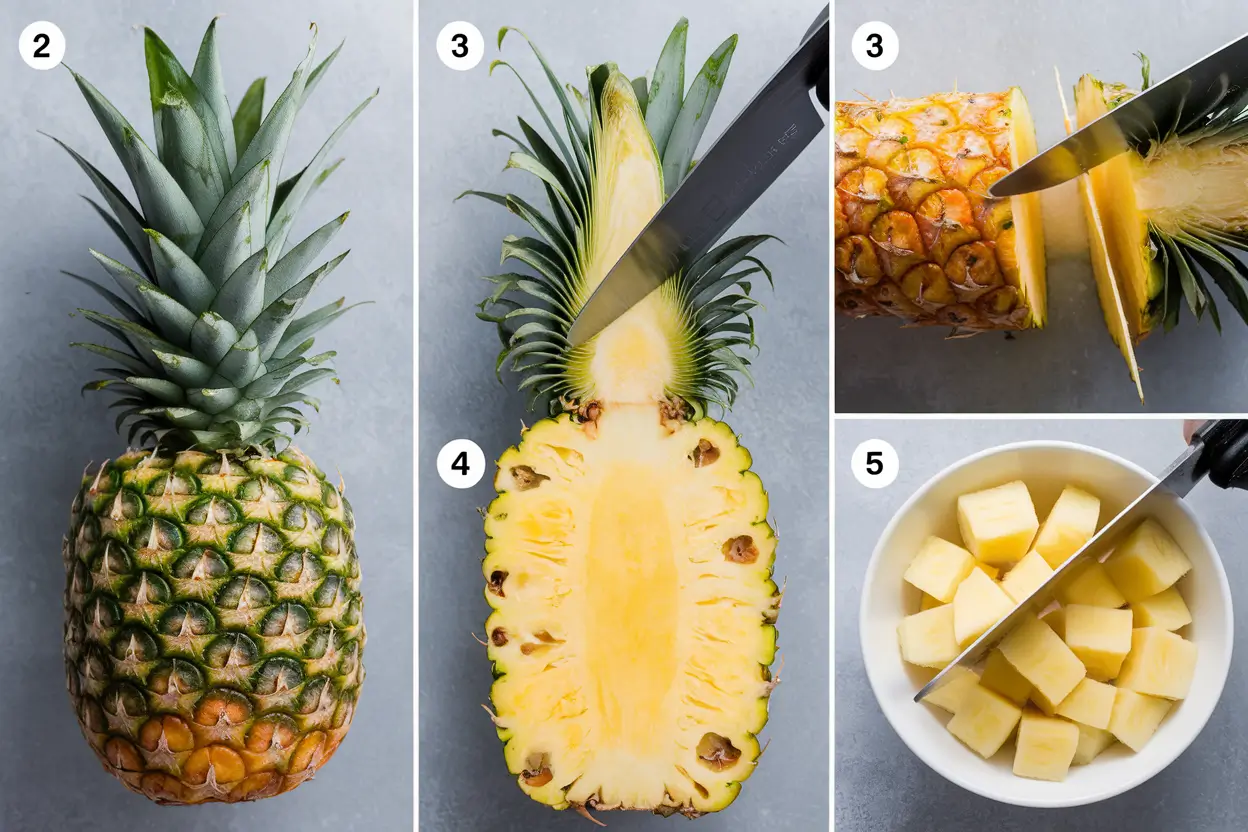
1177, 481
1178, 101
772, 130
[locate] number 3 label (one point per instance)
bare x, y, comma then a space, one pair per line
875, 463
875, 45
461, 463
460, 45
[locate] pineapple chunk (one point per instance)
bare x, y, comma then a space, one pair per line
991, 571
939, 567
949, 695
1044, 659
926, 638
1046, 747
1136, 717
1100, 637
1000, 676
1070, 524
928, 603
1038, 699
1026, 576
1092, 741
984, 720
1147, 562
998, 524
1091, 703
1090, 585
1161, 663
1056, 619
1166, 610
978, 603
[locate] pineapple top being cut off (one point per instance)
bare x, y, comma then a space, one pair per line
628, 554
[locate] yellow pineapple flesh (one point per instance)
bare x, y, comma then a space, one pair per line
1046, 747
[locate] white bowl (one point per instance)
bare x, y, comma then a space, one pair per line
1046, 467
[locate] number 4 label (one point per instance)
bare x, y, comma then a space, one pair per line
461, 463
875, 463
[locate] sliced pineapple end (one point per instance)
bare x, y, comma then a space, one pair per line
1029, 238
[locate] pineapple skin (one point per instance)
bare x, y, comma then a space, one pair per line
213, 622
917, 236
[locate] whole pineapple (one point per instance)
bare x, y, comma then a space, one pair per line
213, 632
629, 557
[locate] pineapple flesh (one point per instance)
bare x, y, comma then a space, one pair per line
213, 614
1070, 524
628, 556
916, 235
998, 524
1046, 747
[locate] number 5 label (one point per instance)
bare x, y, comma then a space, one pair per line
875, 463
875, 45
460, 45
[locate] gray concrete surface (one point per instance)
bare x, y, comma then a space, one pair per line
1071, 365
463, 781
881, 786
49, 778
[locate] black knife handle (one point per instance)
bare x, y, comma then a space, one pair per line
1225, 455
820, 73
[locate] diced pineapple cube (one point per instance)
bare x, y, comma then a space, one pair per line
927, 602
984, 721
1091, 703
978, 603
1070, 524
1000, 676
926, 638
939, 567
989, 570
1046, 747
1090, 585
998, 524
1161, 663
1136, 717
1056, 619
1092, 741
1046, 707
1166, 610
1147, 562
1044, 659
1026, 576
949, 695
1100, 637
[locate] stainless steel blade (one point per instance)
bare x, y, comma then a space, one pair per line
1175, 102
1177, 481
773, 129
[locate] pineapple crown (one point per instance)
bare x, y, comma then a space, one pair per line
211, 350
534, 311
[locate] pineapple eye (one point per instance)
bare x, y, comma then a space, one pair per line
278, 675
740, 549
717, 752
526, 478
231, 650
496, 582
704, 454
498, 637
537, 771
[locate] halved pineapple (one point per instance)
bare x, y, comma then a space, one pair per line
1071, 522
998, 524
1091, 703
984, 721
1136, 717
1147, 562
999, 675
1046, 747
1026, 576
1100, 637
939, 567
950, 694
1161, 663
978, 603
1166, 610
1044, 659
927, 639
1090, 586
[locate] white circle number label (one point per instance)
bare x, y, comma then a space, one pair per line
875, 45
461, 463
460, 45
42, 45
874, 463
